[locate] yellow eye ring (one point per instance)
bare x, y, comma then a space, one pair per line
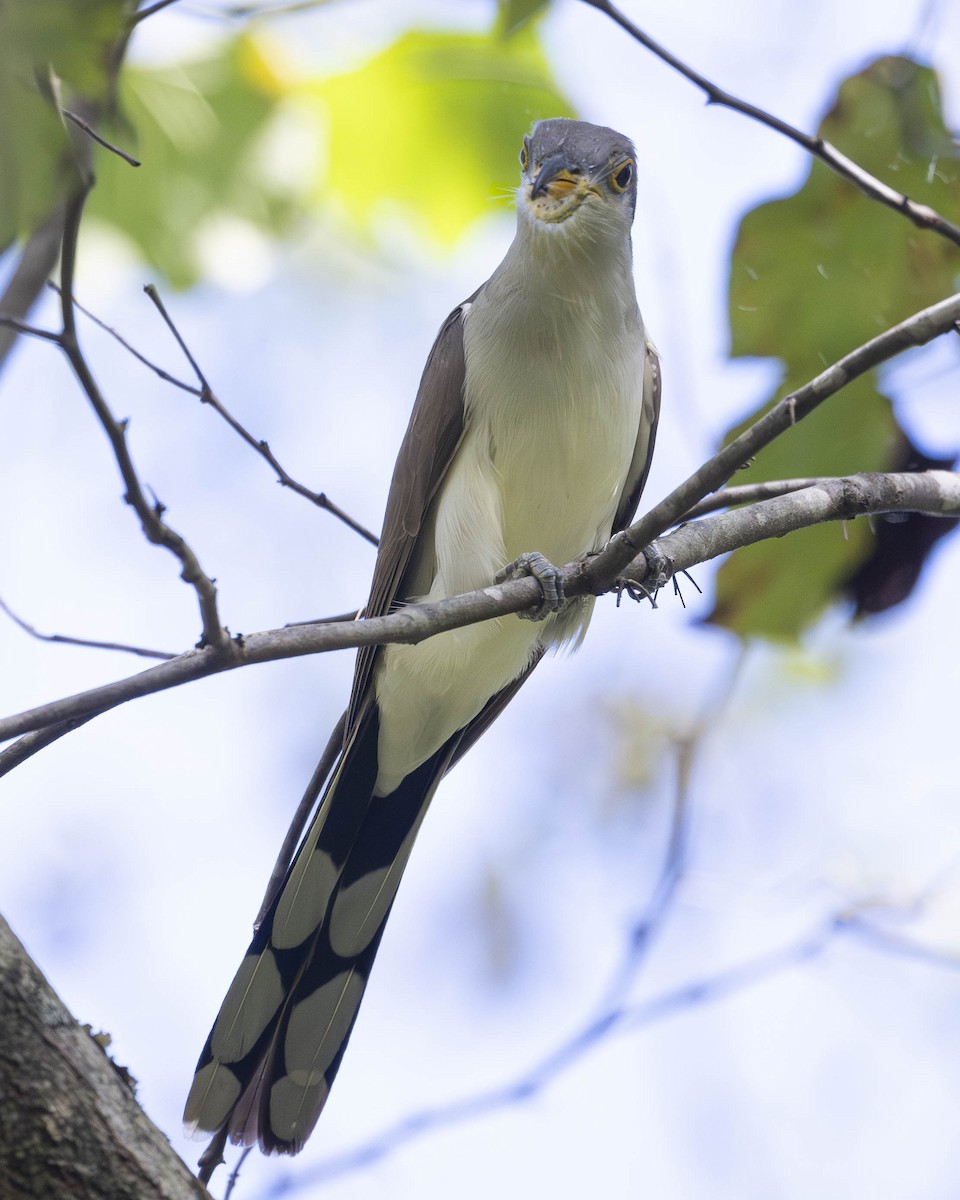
524, 155
622, 175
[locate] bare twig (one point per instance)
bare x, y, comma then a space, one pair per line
101, 141
14, 323
616, 1020
935, 492
151, 9
151, 515
65, 640
207, 396
131, 349
749, 493
234, 1177
922, 215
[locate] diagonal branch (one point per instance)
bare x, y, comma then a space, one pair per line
935, 492
922, 215
207, 396
917, 330
205, 393
64, 639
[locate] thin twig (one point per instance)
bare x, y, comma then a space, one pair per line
101, 141
151, 515
151, 9
234, 1177
131, 349
37, 260
922, 215
66, 640
34, 331
749, 493
207, 396
616, 1021
347, 616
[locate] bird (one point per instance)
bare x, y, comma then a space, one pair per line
529, 444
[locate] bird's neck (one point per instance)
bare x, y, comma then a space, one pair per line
560, 272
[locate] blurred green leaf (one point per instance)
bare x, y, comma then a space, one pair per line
429, 129
813, 276
47, 47
513, 14
198, 130
432, 127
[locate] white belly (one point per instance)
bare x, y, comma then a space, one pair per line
542, 468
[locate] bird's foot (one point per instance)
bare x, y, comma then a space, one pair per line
659, 571
546, 574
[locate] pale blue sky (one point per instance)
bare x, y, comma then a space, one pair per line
134, 851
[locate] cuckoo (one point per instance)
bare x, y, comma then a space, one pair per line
528, 445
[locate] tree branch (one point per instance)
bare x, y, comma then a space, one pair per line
935, 492
70, 1124
207, 396
922, 215
917, 330
64, 639
154, 527
37, 260
747, 493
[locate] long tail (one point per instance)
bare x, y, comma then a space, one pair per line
275, 1047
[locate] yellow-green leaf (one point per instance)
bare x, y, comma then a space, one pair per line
197, 134
431, 127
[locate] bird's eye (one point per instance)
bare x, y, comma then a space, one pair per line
620, 178
524, 155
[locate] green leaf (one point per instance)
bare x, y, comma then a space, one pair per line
776, 588
825, 269
513, 14
198, 131
47, 48
814, 275
431, 127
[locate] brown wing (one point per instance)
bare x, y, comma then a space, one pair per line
646, 436
433, 435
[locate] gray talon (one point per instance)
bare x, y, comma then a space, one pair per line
546, 574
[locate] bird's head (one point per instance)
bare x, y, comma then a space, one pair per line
577, 176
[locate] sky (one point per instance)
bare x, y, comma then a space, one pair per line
824, 781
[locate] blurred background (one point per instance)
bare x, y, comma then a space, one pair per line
320, 186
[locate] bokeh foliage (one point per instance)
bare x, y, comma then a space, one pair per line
814, 275
50, 54
426, 129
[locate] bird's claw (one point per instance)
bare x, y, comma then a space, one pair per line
546, 574
659, 571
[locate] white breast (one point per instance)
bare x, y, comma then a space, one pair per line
553, 400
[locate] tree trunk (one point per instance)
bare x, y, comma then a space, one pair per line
70, 1124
